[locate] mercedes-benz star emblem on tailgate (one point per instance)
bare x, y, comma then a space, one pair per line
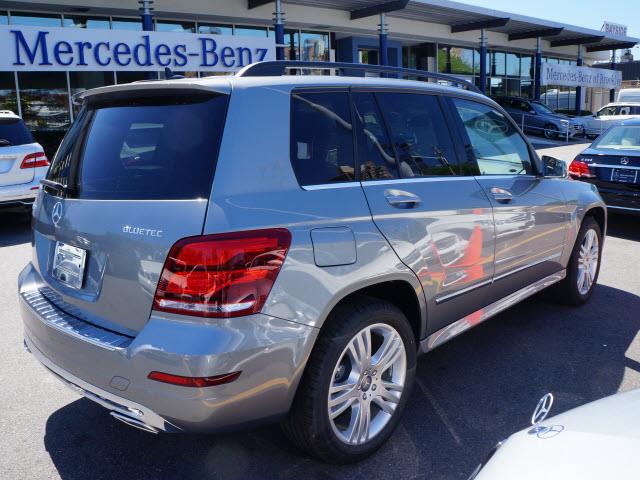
56, 213
624, 161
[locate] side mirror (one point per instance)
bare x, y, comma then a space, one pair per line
553, 167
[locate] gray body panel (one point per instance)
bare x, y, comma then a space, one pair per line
344, 237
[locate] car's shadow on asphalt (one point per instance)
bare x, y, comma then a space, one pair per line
626, 227
15, 227
470, 393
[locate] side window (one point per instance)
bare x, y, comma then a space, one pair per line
376, 157
420, 134
634, 110
322, 138
497, 146
626, 110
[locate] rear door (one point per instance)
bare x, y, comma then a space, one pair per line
16, 143
139, 172
528, 210
425, 202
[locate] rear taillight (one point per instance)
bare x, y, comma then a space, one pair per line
223, 275
34, 160
580, 169
198, 382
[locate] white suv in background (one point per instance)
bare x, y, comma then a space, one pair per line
609, 115
22, 162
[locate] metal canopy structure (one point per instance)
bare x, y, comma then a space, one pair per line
578, 41
540, 33
619, 46
480, 25
385, 7
447, 12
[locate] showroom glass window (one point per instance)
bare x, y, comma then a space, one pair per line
81, 81
45, 106
292, 40
126, 24
8, 98
215, 29
180, 27
245, 31
35, 19
4, 19
83, 21
314, 46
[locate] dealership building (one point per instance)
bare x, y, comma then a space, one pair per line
53, 51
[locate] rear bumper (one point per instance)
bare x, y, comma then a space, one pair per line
270, 353
23, 194
621, 201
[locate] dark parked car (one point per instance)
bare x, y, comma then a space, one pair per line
535, 117
612, 163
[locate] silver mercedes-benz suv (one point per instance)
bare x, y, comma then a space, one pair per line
217, 252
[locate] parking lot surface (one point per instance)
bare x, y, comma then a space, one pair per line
470, 393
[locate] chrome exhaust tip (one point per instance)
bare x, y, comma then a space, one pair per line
132, 422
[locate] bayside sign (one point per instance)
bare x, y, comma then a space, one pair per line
76, 49
614, 29
573, 76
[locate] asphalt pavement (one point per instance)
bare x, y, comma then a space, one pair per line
470, 393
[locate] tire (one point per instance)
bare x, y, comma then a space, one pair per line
550, 131
308, 424
569, 291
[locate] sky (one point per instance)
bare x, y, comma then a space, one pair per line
583, 13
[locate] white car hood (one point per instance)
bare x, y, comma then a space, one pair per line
600, 440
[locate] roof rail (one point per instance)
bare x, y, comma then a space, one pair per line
282, 67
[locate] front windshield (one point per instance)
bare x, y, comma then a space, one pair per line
541, 108
620, 137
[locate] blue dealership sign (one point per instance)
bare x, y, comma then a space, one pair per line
75, 49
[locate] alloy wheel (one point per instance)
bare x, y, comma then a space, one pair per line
588, 261
367, 384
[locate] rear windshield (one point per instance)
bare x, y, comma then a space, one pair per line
13, 132
146, 148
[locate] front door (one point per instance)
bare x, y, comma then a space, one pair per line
529, 214
438, 221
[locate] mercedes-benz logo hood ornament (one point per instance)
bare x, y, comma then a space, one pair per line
56, 213
540, 413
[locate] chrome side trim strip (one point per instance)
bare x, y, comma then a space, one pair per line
456, 328
124, 407
449, 296
624, 208
603, 165
529, 265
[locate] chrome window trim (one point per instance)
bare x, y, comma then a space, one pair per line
395, 181
456, 328
327, 186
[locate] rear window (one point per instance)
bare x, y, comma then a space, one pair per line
144, 149
14, 132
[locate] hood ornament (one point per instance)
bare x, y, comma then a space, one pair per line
540, 413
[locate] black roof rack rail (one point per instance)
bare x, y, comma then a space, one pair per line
282, 67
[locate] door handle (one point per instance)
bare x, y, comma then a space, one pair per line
401, 199
501, 195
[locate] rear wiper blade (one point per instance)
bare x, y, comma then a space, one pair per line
59, 187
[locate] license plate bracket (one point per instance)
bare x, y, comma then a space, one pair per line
624, 175
68, 265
